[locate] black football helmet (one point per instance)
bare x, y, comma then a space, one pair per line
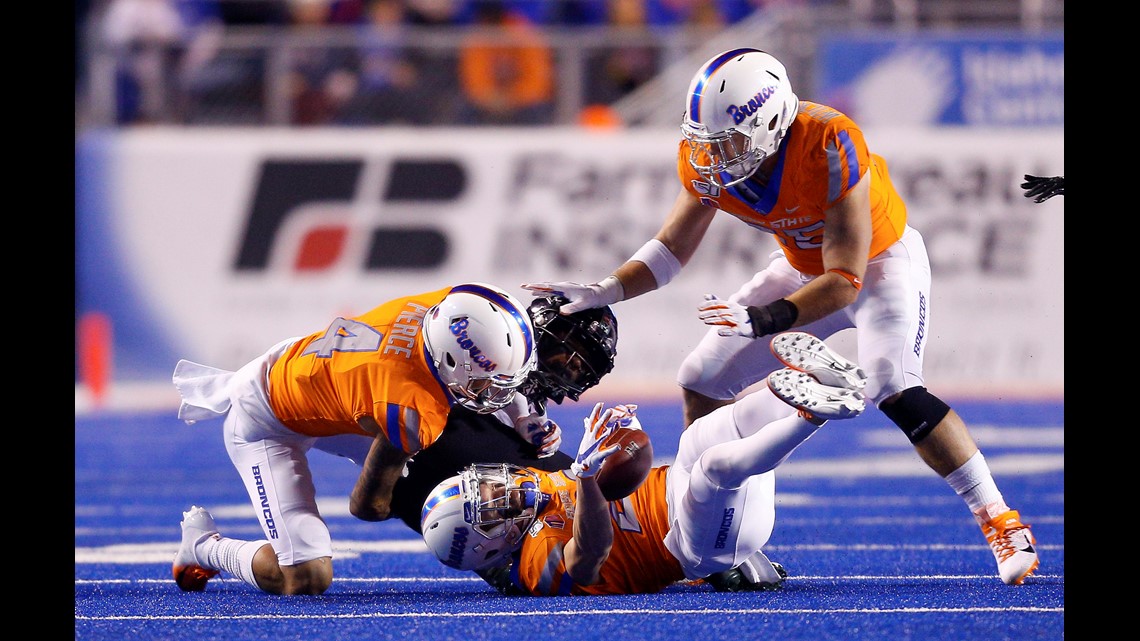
574, 350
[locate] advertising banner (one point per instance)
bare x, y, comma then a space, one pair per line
987, 79
212, 245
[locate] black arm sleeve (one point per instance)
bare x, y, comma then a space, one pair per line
467, 438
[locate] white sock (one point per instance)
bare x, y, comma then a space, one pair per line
230, 555
974, 483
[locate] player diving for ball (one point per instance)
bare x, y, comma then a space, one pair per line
706, 516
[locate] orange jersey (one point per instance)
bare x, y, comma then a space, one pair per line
373, 364
819, 163
638, 561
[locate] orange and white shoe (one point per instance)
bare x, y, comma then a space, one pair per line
197, 525
1012, 544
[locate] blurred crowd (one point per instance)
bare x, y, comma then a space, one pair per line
170, 65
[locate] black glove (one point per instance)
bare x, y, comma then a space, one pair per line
734, 581
500, 579
1041, 188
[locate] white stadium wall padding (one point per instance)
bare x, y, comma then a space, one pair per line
212, 245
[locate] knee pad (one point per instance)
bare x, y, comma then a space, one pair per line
916, 412
690, 374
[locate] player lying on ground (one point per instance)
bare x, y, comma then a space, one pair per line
563, 538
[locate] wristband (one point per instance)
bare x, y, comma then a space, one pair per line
773, 318
855, 281
660, 261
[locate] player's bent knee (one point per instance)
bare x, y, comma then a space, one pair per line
689, 374
916, 412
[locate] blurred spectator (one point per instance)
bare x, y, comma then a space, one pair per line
436, 13
580, 12
506, 76
347, 12
622, 69
242, 13
321, 80
147, 36
202, 22
388, 87
220, 85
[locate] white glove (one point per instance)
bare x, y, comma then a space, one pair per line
733, 317
541, 432
600, 294
623, 416
598, 427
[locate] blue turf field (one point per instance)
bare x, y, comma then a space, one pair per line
876, 546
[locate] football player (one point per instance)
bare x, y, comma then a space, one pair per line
706, 516
804, 173
376, 388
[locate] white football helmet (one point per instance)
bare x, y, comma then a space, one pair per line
481, 342
738, 110
477, 518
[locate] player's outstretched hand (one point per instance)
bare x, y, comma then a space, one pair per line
606, 292
732, 318
1042, 188
598, 427
541, 432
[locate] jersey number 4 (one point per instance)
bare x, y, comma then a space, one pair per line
345, 335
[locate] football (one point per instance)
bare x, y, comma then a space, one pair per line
625, 470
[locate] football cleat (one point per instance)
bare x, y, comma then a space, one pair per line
813, 398
1013, 547
197, 525
806, 353
755, 574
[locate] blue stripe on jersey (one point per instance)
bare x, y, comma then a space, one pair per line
412, 429
550, 571
392, 425
852, 158
766, 195
507, 306
837, 159
712, 67
834, 172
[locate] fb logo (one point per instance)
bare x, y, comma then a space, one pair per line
304, 213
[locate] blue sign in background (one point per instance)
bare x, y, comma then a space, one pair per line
993, 79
